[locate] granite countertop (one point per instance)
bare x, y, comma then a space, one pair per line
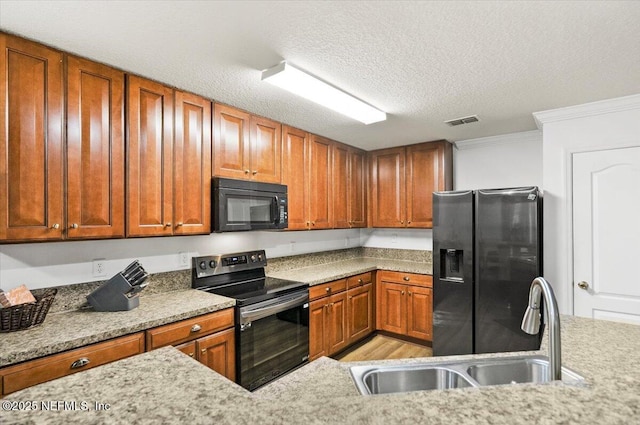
165, 386
322, 273
71, 329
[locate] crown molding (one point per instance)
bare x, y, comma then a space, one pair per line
503, 139
618, 104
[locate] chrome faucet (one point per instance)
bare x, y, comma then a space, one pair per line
531, 322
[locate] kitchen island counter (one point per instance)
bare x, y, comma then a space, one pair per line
165, 386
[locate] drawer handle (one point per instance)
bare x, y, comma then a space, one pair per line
192, 354
80, 363
203, 350
328, 289
406, 278
360, 281
196, 328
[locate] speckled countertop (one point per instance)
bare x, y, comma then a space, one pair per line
71, 329
165, 386
321, 273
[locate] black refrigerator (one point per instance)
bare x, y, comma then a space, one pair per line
487, 248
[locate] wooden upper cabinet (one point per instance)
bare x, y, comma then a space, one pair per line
31, 134
388, 187
349, 187
403, 181
95, 150
149, 161
231, 143
341, 185
266, 156
295, 174
426, 173
320, 182
245, 146
192, 169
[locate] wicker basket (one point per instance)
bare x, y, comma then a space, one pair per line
24, 316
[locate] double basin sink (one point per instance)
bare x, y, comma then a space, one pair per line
382, 379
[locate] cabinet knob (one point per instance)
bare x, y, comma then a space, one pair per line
74, 226
409, 293
402, 293
204, 350
328, 289
401, 221
179, 224
408, 222
406, 278
83, 361
196, 328
360, 281
168, 224
313, 223
254, 172
192, 354
55, 226
247, 171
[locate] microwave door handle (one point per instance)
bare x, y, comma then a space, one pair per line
274, 209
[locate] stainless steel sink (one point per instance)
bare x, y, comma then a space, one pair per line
383, 379
401, 379
516, 371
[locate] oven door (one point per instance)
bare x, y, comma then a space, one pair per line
238, 209
273, 338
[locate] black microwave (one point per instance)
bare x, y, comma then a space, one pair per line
245, 205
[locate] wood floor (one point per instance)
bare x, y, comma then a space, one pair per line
382, 347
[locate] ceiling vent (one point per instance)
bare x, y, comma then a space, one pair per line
463, 120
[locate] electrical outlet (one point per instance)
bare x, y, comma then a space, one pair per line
292, 246
346, 242
183, 258
394, 238
99, 268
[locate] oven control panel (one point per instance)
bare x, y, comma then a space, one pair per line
213, 265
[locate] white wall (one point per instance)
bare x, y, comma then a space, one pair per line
599, 125
41, 265
508, 160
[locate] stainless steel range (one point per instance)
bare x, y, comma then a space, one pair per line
272, 315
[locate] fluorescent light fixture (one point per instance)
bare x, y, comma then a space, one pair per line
299, 82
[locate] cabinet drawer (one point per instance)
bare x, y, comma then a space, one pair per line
186, 330
58, 365
406, 278
319, 291
359, 280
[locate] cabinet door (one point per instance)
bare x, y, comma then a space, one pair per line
192, 170
266, 157
218, 352
149, 166
31, 124
426, 173
419, 312
388, 188
320, 206
295, 174
95, 150
337, 321
391, 309
357, 198
231, 152
318, 331
341, 185
359, 312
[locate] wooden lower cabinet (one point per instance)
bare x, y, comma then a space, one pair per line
359, 312
327, 325
405, 308
218, 352
340, 313
209, 338
33, 372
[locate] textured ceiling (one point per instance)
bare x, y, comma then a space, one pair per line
421, 62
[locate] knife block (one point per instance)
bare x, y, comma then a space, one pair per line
112, 296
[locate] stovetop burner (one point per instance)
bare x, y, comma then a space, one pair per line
240, 276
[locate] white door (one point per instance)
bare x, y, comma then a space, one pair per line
606, 234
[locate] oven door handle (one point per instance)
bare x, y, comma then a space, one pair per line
259, 313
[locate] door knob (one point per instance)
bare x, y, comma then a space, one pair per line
583, 285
